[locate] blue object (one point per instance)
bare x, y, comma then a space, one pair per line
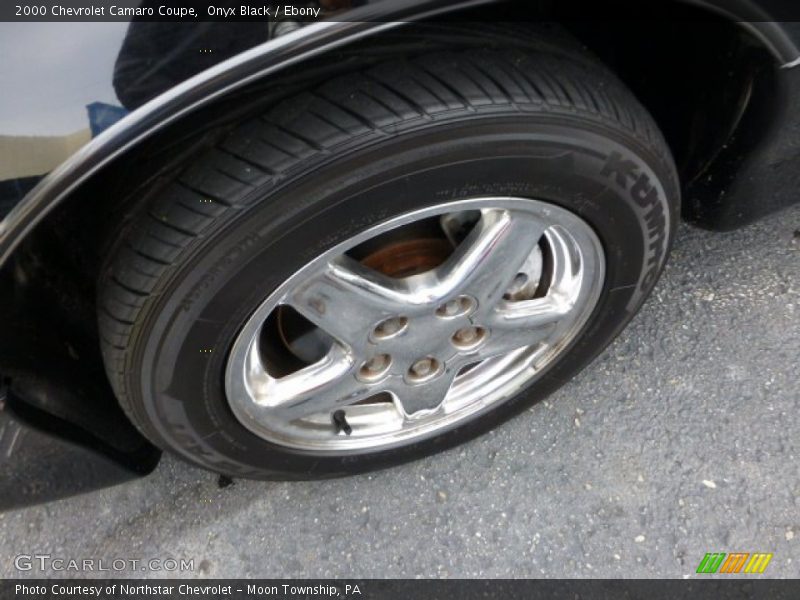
102, 116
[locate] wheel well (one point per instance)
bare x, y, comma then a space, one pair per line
698, 90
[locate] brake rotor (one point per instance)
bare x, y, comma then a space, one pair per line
409, 257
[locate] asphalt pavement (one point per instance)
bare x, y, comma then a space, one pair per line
680, 439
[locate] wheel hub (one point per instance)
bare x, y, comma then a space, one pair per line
420, 348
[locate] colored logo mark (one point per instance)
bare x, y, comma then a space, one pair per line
735, 562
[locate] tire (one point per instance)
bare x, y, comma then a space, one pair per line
205, 249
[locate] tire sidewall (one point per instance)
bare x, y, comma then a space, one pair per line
626, 193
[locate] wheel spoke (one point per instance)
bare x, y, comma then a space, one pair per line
322, 387
426, 396
486, 262
518, 324
346, 299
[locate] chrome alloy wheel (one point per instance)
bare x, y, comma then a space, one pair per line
405, 357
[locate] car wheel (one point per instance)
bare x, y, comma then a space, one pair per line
388, 263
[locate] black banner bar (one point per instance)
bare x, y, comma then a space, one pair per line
193, 11
732, 587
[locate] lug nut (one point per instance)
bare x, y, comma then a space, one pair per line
424, 369
455, 307
451, 308
375, 368
468, 338
390, 327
